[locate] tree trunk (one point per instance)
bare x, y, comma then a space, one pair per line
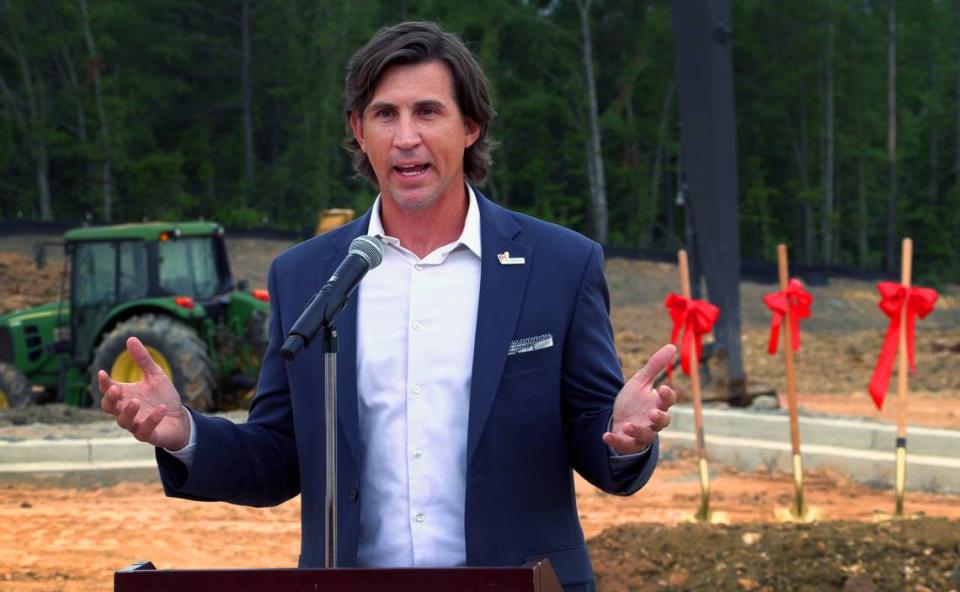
934, 113
598, 185
890, 255
799, 143
43, 182
31, 124
107, 174
826, 223
655, 177
863, 220
956, 161
247, 99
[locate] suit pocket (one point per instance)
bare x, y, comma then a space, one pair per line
531, 360
571, 564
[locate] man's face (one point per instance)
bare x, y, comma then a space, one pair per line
414, 135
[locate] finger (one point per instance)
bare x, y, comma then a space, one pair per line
142, 357
142, 430
638, 432
659, 419
111, 398
668, 397
104, 381
624, 444
655, 365
128, 412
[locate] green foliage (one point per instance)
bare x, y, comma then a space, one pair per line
172, 82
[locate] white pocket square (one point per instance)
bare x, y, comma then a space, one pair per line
529, 344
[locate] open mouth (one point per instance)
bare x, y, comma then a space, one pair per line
412, 170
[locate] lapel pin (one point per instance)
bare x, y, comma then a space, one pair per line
506, 259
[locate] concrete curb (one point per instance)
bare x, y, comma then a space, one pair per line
862, 449
744, 439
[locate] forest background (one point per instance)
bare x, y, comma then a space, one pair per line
848, 117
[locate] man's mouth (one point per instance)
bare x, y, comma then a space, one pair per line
412, 170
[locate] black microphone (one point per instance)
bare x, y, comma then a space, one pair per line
366, 252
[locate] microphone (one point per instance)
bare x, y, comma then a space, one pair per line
366, 252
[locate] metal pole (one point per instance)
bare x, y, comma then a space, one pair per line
330, 449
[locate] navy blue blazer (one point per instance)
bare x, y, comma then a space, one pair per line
533, 416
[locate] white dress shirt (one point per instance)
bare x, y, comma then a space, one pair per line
416, 324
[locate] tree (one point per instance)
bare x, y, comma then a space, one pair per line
107, 171
28, 106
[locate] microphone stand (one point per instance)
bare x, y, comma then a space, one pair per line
294, 344
330, 450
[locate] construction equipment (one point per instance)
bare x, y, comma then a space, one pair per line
168, 284
333, 218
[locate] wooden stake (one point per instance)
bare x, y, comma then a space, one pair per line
703, 514
902, 386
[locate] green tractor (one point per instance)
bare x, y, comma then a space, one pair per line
168, 284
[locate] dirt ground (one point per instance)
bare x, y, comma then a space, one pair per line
73, 538
61, 536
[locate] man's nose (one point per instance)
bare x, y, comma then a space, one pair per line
407, 135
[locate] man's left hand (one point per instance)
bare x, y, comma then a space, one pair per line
640, 410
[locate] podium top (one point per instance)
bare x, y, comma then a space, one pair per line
536, 577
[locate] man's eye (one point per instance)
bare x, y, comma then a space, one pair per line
384, 113
428, 111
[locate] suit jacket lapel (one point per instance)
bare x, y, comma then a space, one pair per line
502, 289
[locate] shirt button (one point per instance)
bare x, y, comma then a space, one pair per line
417, 453
416, 389
421, 517
416, 325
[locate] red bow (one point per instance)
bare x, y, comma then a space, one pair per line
919, 302
696, 319
799, 301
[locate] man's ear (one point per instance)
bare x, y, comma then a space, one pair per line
356, 126
472, 131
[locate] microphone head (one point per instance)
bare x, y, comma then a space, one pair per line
368, 247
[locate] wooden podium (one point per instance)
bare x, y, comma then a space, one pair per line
144, 577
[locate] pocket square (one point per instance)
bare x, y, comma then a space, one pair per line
529, 344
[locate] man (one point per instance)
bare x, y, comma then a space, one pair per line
476, 362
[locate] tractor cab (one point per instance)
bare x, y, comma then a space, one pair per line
143, 265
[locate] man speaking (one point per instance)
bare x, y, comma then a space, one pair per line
476, 362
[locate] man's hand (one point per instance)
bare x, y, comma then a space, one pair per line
641, 410
149, 409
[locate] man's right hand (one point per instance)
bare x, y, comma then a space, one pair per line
149, 409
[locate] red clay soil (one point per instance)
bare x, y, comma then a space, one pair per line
71, 539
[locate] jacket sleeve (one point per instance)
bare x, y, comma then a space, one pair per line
254, 463
591, 381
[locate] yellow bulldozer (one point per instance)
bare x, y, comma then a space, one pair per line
332, 218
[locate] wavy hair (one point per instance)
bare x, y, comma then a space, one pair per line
413, 43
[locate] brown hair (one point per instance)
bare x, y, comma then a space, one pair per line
416, 43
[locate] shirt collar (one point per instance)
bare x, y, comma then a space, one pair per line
469, 237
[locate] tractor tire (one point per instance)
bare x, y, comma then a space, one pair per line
176, 348
14, 387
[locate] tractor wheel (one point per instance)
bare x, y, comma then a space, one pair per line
174, 346
14, 387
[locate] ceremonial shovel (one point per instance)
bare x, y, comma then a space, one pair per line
798, 512
703, 513
903, 389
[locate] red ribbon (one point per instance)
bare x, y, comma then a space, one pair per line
799, 301
893, 297
695, 318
